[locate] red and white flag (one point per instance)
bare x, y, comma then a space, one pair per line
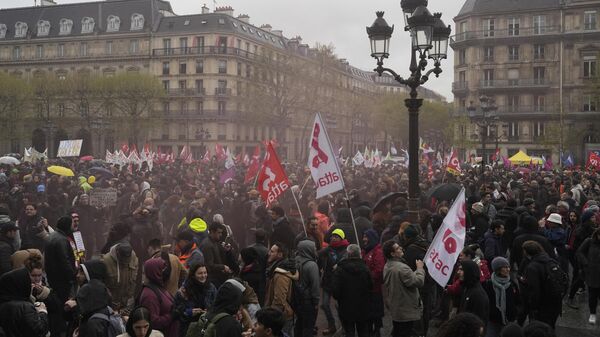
448, 242
186, 155
322, 162
220, 152
254, 166
206, 157
593, 161
272, 180
453, 166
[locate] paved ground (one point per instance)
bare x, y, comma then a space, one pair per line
573, 323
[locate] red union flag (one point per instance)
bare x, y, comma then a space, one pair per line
254, 166
448, 242
453, 166
322, 161
272, 180
593, 161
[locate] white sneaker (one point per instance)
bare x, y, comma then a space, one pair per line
592, 319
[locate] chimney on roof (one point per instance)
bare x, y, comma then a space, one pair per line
244, 18
205, 10
224, 10
293, 43
266, 27
277, 32
303, 49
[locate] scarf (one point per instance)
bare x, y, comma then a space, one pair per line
500, 285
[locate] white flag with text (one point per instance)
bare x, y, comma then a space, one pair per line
322, 161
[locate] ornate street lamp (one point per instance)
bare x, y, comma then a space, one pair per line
429, 36
484, 120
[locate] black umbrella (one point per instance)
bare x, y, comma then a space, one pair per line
101, 171
387, 199
445, 192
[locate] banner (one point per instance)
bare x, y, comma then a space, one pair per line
69, 148
358, 159
272, 180
448, 242
321, 161
593, 161
103, 197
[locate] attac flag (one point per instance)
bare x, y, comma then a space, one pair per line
254, 166
125, 148
448, 242
186, 155
495, 155
220, 152
206, 157
272, 180
453, 164
321, 161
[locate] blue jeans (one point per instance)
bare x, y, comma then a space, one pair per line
326, 306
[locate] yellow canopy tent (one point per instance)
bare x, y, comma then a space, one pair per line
520, 158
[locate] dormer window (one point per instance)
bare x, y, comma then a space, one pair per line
113, 23
87, 25
137, 22
2, 31
20, 29
43, 28
65, 26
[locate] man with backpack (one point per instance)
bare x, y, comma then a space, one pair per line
97, 318
306, 289
281, 273
545, 284
220, 319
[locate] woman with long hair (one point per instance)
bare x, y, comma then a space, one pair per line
194, 297
138, 325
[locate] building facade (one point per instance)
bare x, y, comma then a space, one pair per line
208, 64
538, 61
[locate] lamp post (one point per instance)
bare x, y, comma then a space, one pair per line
429, 36
486, 118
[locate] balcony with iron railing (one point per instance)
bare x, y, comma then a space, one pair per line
195, 114
460, 86
222, 91
91, 55
186, 92
505, 33
205, 50
514, 83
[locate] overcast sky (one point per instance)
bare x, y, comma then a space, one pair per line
338, 22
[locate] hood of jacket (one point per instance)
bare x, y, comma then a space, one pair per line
282, 266
153, 269
228, 300
343, 216
372, 238
15, 286
364, 211
471, 273
92, 297
490, 235
94, 269
306, 251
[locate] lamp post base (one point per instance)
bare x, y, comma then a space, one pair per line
413, 210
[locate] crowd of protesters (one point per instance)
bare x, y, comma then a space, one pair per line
181, 254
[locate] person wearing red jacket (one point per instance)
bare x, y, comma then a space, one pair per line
373, 257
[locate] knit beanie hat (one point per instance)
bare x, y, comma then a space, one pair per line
499, 262
339, 232
411, 231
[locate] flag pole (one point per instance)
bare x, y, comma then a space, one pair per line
304, 185
299, 212
352, 217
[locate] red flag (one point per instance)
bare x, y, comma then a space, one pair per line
254, 166
146, 149
272, 180
593, 161
238, 158
206, 157
186, 155
453, 166
125, 148
220, 152
495, 155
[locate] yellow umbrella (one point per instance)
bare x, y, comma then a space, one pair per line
61, 171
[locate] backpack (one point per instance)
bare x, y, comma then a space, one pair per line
205, 327
115, 322
557, 281
154, 290
298, 290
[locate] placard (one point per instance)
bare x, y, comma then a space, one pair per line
78, 241
103, 197
69, 148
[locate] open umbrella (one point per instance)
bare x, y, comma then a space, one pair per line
101, 171
61, 171
388, 199
86, 158
444, 191
7, 160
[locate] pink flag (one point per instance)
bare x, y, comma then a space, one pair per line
227, 175
448, 242
506, 162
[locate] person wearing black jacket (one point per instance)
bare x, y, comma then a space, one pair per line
511, 221
18, 316
503, 295
480, 223
539, 305
588, 256
8, 233
530, 232
93, 300
473, 298
59, 259
228, 301
351, 286
282, 230
344, 222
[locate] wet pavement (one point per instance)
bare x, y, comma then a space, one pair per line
572, 323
